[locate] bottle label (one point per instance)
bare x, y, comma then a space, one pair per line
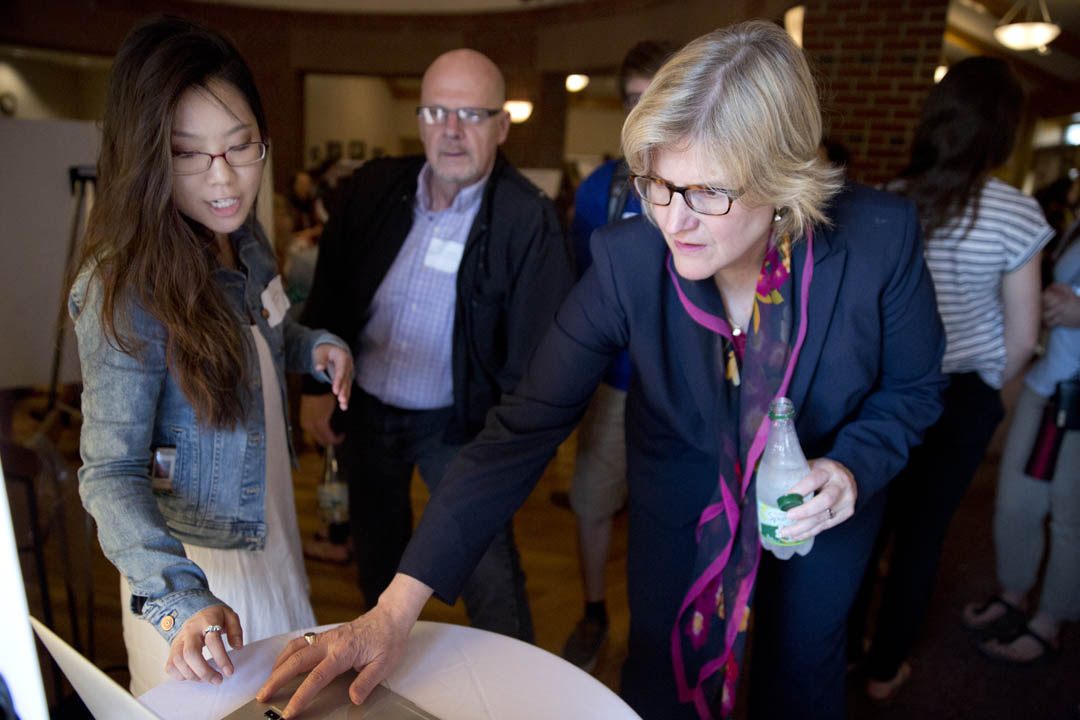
770, 520
333, 499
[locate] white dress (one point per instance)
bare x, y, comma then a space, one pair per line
268, 588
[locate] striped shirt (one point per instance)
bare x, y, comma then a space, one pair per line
404, 353
967, 263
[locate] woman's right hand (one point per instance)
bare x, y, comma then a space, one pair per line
186, 661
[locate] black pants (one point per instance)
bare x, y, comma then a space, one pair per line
382, 446
921, 505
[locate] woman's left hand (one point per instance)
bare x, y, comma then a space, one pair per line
1061, 306
833, 504
338, 364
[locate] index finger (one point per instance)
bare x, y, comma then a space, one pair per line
812, 481
289, 663
337, 373
344, 390
816, 481
319, 678
217, 652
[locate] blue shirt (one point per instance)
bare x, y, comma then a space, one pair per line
404, 352
593, 206
1062, 358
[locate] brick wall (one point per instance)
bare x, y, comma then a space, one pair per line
876, 61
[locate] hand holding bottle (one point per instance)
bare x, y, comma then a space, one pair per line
833, 504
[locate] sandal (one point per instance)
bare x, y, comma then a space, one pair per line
1011, 649
1007, 621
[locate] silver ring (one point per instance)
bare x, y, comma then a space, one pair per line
829, 512
310, 637
211, 628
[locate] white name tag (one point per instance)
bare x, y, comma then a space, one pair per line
444, 255
274, 301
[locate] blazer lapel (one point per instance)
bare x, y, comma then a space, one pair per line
829, 263
694, 354
699, 364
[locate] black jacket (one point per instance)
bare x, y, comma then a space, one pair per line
515, 271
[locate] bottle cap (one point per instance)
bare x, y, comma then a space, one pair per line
789, 501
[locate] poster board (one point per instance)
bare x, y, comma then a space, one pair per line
19, 665
36, 211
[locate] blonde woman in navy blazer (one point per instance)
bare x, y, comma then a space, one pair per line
785, 284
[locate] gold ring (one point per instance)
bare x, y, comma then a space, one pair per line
310, 637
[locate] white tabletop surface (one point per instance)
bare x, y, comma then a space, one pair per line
455, 672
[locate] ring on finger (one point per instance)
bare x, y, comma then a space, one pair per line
310, 637
829, 512
211, 629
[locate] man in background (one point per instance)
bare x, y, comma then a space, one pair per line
443, 270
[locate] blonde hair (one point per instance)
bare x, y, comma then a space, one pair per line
744, 98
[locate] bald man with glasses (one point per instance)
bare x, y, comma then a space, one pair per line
443, 270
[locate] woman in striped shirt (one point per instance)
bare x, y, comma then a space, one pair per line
983, 239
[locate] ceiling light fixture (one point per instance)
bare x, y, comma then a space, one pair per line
1028, 35
577, 83
519, 110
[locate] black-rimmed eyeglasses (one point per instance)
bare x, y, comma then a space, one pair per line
699, 198
437, 114
193, 163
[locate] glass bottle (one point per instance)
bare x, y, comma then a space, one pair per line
333, 499
782, 465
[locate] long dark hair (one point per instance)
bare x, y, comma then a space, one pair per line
967, 129
141, 247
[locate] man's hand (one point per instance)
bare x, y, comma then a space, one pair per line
315, 413
1061, 306
338, 364
371, 644
836, 492
186, 661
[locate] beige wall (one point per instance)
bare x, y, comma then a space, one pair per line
48, 90
593, 132
347, 108
353, 107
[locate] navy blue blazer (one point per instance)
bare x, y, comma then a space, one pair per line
866, 385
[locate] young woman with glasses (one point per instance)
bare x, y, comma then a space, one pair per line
753, 275
183, 341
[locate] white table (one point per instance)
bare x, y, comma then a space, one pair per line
455, 672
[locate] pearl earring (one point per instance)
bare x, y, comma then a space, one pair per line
777, 217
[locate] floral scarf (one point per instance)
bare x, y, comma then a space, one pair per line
709, 635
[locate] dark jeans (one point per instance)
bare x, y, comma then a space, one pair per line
922, 501
382, 445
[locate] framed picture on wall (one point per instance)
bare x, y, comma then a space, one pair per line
333, 150
357, 149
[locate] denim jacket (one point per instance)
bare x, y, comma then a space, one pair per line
133, 405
